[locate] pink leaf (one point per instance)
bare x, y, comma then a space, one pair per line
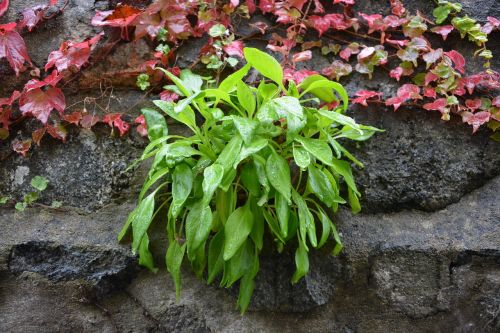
21, 147
432, 56
496, 102
115, 120
443, 30
71, 54
234, 48
429, 92
396, 73
4, 5
297, 76
476, 119
320, 23
12, 47
438, 105
395, 102
40, 102
409, 90
302, 56
473, 104
363, 95
375, 22
457, 59
401, 43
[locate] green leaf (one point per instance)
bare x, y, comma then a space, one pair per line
198, 226
338, 246
321, 185
174, 257
353, 201
340, 119
142, 219
157, 126
185, 116
441, 13
344, 169
230, 82
257, 233
328, 85
246, 97
250, 180
273, 224
326, 95
325, 227
215, 259
178, 82
30, 197
212, 178
283, 213
21, 206
306, 220
182, 184
301, 263
145, 256
319, 149
246, 127
265, 64
40, 183
283, 107
217, 30
278, 173
267, 91
236, 230
143, 81
253, 148
191, 81
3, 200
247, 285
239, 264
301, 157
230, 153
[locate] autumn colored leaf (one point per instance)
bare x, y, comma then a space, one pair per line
320, 23
122, 16
338, 21
458, 60
32, 17
142, 128
496, 101
429, 92
4, 5
345, 2
12, 47
40, 102
89, 120
397, 8
375, 22
432, 56
396, 73
235, 48
5, 118
363, 95
73, 118
71, 54
405, 92
114, 120
38, 135
351, 49
21, 146
57, 131
443, 30
476, 119
438, 105
267, 6
8, 101
473, 104
302, 56
297, 76
400, 43
337, 69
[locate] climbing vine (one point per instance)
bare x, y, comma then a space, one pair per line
399, 44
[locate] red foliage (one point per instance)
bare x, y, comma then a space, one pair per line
71, 54
4, 5
363, 95
12, 47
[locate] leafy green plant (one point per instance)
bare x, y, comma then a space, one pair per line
39, 183
262, 156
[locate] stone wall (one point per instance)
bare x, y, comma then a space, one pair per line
423, 256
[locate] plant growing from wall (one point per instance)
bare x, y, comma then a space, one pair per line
263, 158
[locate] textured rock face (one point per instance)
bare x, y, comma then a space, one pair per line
423, 256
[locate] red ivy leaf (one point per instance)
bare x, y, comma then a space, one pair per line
409, 90
432, 56
438, 105
320, 23
8, 101
12, 47
5, 118
443, 30
351, 49
71, 54
338, 21
375, 22
122, 16
89, 120
476, 119
396, 73
457, 59
430, 77
235, 48
302, 56
38, 135
496, 102
363, 95
401, 43
397, 8
473, 104
4, 5
57, 132
297, 76
21, 147
115, 120
395, 102
345, 2
31, 17
337, 69
266, 6
429, 92
73, 118
142, 128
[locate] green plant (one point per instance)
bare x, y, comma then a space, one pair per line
39, 183
262, 156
